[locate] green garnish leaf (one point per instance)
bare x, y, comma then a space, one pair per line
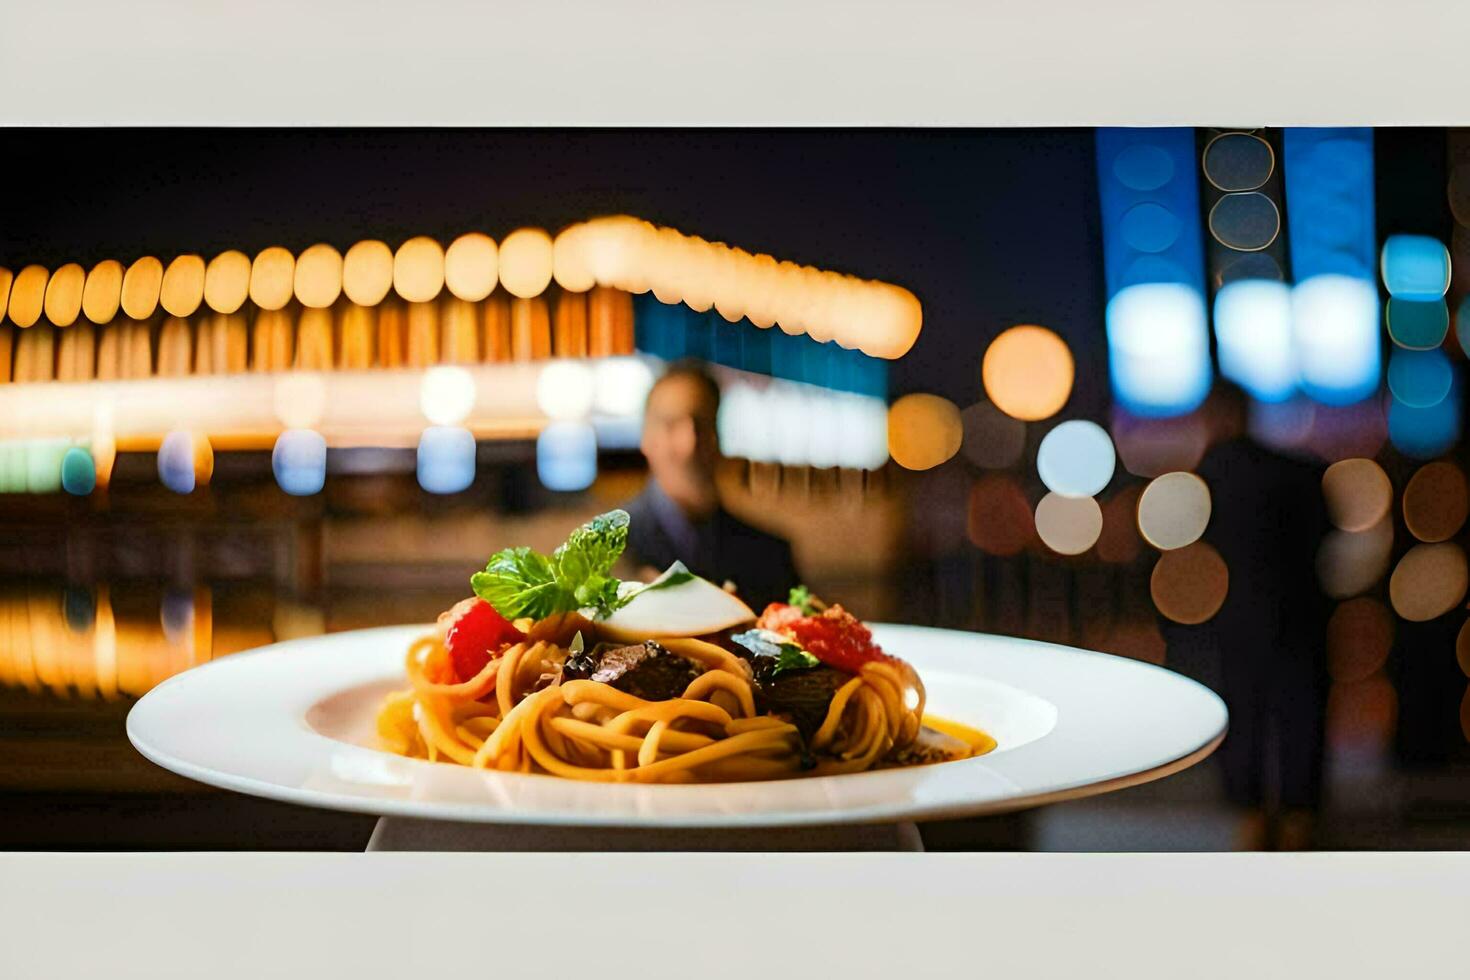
792, 657
801, 597
520, 582
775, 652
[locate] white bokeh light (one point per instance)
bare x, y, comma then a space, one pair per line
1076, 459
1254, 338
564, 390
447, 395
1334, 323
620, 386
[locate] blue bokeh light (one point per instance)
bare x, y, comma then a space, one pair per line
1329, 201
176, 461
566, 456
1153, 260
1415, 267
1425, 432
1420, 378
1417, 324
78, 472
446, 459
299, 461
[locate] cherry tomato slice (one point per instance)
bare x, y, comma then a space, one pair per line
475, 635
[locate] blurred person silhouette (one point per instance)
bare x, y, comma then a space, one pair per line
679, 516
1269, 638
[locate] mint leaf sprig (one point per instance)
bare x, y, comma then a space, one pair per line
523, 583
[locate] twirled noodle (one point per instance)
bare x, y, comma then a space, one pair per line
517, 715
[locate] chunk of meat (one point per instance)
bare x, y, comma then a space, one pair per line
645, 670
801, 696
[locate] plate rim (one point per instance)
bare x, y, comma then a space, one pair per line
884, 812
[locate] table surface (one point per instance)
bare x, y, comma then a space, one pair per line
748, 915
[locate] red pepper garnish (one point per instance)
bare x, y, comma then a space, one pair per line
477, 632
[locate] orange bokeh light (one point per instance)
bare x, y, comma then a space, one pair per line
923, 431
1028, 372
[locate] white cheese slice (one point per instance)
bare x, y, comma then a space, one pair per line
690, 606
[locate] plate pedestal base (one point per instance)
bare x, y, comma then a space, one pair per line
407, 834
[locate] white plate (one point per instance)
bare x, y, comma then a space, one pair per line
294, 722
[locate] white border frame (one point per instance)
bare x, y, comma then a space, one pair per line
749, 63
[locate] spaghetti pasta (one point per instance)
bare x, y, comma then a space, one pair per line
568, 692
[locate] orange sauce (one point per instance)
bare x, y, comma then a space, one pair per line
974, 737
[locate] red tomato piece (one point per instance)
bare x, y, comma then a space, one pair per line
475, 635
777, 616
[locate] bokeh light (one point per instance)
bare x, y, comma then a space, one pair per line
1076, 459
1152, 447
446, 459
185, 460
1253, 338
300, 398
570, 259
1189, 585
78, 472
1424, 432
999, 519
318, 276
1344, 431
1028, 372
1415, 267
367, 273
1119, 542
1419, 378
566, 456
43, 459
1428, 582
526, 262
1159, 348
1284, 425
1068, 525
1436, 501
1358, 493
565, 390
299, 462
1350, 563
1359, 638
1417, 324
418, 269
992, 439
1174, 510
620, 386
923, 431
1335, 325
447, 394
471, 266
1362, 716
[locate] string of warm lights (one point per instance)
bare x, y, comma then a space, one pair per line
880, 319
622, 253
